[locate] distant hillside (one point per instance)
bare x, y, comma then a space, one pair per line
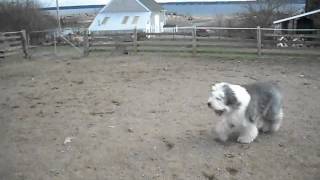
196, 8
217, 8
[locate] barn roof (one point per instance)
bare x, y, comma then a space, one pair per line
297, 16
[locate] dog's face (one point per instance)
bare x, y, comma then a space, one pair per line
222, 99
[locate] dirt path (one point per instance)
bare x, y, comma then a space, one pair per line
145, 117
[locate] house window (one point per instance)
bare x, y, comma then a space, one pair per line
135, 20
125, 20
105, 20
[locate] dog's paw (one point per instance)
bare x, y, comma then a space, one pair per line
265, 128
245, 139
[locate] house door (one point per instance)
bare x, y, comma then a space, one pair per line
157, 23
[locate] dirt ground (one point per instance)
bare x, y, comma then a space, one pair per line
145, 117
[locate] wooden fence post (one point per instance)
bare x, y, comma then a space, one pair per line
28, 39
135, 41
25, 44
55, 43
86, 44
2, 53
259, 41
194, 41
173, 32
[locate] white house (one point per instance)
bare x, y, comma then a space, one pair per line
124, 15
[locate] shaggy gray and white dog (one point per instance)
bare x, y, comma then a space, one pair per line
246, 109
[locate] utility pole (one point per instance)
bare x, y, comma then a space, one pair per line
58, 16
59, 33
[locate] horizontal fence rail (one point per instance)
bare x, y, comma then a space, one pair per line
195, 40
192, 40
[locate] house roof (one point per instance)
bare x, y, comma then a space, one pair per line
297, 16
132, 6
151, 5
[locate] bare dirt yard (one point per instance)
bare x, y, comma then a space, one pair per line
145, 117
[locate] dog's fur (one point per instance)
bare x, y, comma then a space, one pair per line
246, 109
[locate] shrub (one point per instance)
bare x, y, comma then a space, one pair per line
23, 14
264, 12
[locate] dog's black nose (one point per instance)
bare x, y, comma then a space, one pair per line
209, 104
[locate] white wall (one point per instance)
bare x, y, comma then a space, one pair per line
115, 21
145, 23
157, 27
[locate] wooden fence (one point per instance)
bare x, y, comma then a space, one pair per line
209, 40
13, 43
192, 40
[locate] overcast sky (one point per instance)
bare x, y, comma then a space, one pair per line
50, 3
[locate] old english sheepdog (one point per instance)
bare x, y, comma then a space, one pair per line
246, 109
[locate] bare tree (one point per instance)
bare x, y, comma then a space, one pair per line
23, 14
263, 12
312, 5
